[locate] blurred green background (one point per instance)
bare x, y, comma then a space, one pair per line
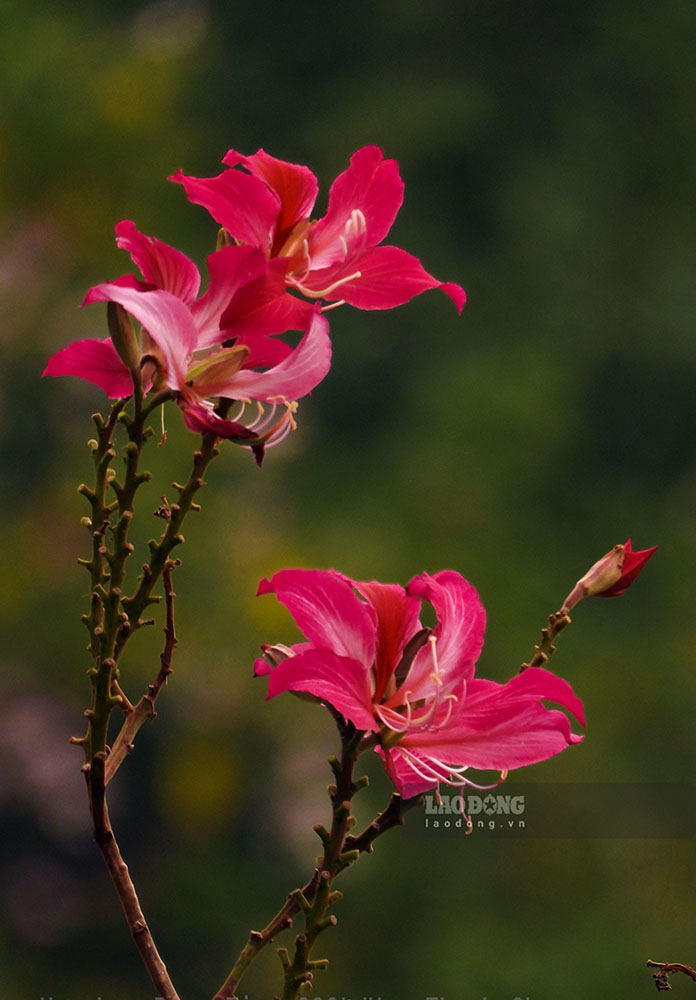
548, 151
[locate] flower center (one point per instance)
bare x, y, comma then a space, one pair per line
421, 714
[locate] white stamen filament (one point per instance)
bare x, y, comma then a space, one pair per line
398, 722
312, 293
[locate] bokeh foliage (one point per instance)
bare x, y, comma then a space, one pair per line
548, 151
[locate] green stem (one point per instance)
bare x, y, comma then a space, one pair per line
111, 622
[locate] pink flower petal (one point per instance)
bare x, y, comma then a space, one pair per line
240, 203
265, 351
263, 306
295, 185
371, 186
230, 269
95, 361
397, 622
165, 318
202, 419
327, 611
339, 680
389, 277
407, 781
459, 633
160, 265
292, 378
504, 726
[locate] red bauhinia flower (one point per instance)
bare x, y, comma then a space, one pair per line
246, 294
266, 203
611, 575
368, 656
167, 354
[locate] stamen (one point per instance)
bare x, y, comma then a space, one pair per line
318, 294
164, 432
297, 238
333, 305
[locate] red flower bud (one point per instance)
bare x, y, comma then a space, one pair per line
611, 575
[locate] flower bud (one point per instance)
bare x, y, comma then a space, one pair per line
611, 575
123, 335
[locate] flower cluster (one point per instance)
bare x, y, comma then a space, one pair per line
368, 656
275, 271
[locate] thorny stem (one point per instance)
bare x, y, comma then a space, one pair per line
114, 618
665, 969
546, 648
137, 715
298, 975
296, 901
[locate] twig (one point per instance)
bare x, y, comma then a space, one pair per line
298, 900
557, 622
138, 714
665, 969
123, 884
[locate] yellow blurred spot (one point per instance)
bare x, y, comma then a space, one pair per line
199, 787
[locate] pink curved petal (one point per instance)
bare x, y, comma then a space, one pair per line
165, 318
293, 378
295, 185
340, 680
389, 277
230, 269
240, 203
397, 622
370, 185
160, 265
327, 611
459, 633
95, 361
202, 419
504, 726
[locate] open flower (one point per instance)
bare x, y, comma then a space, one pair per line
266, 203
246, 294
368, 656
169, 359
